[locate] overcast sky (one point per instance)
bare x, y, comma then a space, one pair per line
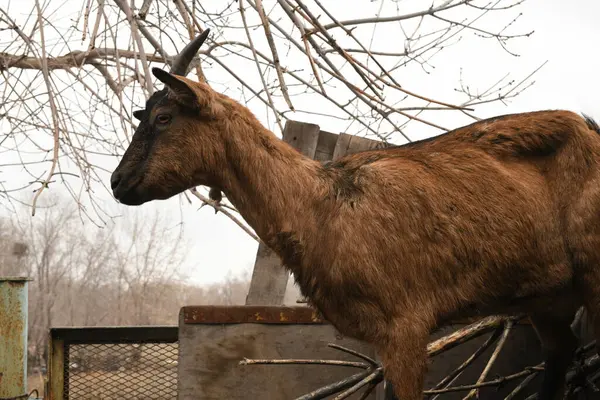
566, 35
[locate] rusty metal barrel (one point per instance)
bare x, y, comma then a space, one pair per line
13, 337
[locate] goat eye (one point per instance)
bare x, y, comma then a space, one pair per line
163, 118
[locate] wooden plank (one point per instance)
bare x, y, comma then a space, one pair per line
326, 146
210, 353
269, 278
302, 136
349, 144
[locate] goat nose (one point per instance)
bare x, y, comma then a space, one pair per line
114, 180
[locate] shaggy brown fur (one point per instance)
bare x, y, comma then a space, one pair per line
500, 216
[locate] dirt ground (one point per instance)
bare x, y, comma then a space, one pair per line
116, 385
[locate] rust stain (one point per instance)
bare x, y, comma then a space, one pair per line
13, 333
267, 315
250, 314
282, 317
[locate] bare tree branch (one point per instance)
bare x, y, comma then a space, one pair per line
308, 63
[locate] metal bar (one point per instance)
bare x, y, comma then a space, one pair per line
56, 368
13, 337
62, 338
115, 334
250, 314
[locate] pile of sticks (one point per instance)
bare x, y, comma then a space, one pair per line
584, 373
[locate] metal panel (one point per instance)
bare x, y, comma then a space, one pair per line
250, 314
113, 362
13, 337
213, 344
115, 334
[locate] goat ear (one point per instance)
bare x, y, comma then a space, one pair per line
138, 114
183, 92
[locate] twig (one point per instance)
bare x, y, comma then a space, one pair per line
378, 20
53, 109
393, 82
507, 328
328, 390
99, 14
247, 361
458, 371
313, 20
142, 30
354, 353
267, 92
222, 209
138, 40
104, 82
375, 376
288, 10
467, 333
521, 386
374, 372
269, 36
74, 59
144, 9
526, 372
591, 362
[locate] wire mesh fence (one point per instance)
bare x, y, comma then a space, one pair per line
115, 363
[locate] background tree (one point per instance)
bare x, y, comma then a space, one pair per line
70, 83
73, 72
84, 275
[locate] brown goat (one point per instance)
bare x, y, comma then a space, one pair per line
498, 217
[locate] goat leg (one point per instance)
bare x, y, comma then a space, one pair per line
404, 358
587, 278
559, 344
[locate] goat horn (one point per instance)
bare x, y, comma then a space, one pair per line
184, 58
